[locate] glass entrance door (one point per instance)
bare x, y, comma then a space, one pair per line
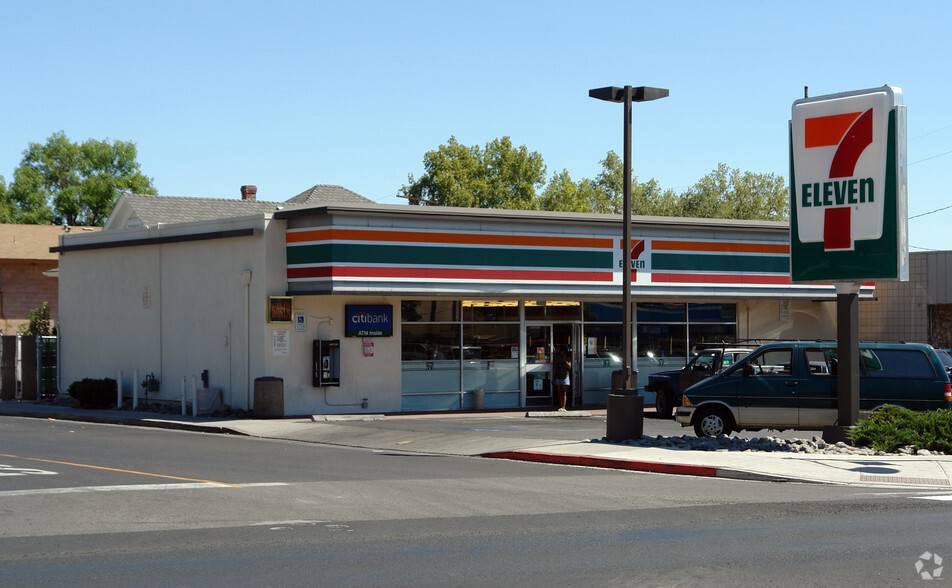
538, 365
543, 342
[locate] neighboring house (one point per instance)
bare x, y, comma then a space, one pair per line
25, 267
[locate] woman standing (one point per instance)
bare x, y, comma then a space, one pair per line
561, 373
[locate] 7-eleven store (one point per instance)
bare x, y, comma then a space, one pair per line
387, 308
479, 301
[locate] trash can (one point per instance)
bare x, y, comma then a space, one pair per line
479, 399
269, 397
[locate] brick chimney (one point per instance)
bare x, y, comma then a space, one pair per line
249, 193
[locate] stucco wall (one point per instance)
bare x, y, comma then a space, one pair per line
761, 319
375, 378
172, 309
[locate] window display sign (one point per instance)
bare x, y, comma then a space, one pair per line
369, 321
848, 187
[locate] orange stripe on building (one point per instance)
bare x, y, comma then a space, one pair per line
446, 238
823, 131
710, 247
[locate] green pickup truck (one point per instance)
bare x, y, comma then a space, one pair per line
792, 385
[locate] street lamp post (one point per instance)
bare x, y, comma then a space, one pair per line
625, 407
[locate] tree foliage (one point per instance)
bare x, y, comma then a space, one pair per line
500, 176
69, 183
40, 322
497, 176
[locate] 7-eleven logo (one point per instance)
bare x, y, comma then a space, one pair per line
639, 257
851, 134
839, 152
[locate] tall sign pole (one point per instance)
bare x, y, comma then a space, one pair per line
848, 210
625, 408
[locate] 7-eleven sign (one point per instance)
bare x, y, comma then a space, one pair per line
847, 186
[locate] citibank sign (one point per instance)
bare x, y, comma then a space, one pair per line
847, 186
369, 321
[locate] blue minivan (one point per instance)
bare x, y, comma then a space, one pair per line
792, 385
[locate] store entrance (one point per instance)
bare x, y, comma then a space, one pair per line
543, 341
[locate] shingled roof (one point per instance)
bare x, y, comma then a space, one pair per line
324, 194
146, 210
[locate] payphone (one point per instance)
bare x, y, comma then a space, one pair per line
326, 358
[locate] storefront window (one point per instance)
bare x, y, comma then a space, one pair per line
430, 341
490, 356
659, 312
703, 335
452, 348
602, 312
660, 347
490, 311
429, 311
601, 356
553, 310
712, 312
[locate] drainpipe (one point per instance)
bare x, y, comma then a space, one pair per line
245, 277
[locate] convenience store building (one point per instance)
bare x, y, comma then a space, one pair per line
362, 307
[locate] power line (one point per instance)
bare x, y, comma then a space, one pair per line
928, 158
930, 212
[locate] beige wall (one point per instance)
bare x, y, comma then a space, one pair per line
761, 319
173, 309
375, 378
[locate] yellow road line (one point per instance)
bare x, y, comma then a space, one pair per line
83, 465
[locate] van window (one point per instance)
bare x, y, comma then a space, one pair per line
898, 363
822, 362
772, 362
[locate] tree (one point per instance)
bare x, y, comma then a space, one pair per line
76, 184
498, 176
40, 323
730, 193
8, 208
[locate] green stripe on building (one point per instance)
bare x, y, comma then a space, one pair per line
453, 256
720, 263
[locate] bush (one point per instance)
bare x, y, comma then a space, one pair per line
892, 427
92, 393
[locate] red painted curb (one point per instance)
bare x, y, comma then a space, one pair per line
606, 462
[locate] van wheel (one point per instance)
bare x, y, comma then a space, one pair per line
711, 422
664, 404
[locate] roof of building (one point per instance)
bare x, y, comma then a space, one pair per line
33, 242
147, 210
323, 194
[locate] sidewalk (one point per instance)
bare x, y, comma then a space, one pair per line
368, 431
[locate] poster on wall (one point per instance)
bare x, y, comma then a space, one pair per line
281, 342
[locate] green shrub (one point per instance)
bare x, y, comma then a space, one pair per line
892, 427
92, 393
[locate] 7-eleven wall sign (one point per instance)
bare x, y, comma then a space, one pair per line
847, 187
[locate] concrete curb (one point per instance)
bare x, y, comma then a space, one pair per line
554, 414
132, 421
636, 465
343, 418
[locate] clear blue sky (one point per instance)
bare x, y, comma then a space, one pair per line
286, 95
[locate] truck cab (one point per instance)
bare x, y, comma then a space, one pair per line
669, 386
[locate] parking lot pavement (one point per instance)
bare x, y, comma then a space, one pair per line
557, 438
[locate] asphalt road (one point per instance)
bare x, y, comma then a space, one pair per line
88, 504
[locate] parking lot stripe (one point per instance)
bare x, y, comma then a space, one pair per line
131, 487
83, 465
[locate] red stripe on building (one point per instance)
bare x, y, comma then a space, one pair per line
447, 274
696, 278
